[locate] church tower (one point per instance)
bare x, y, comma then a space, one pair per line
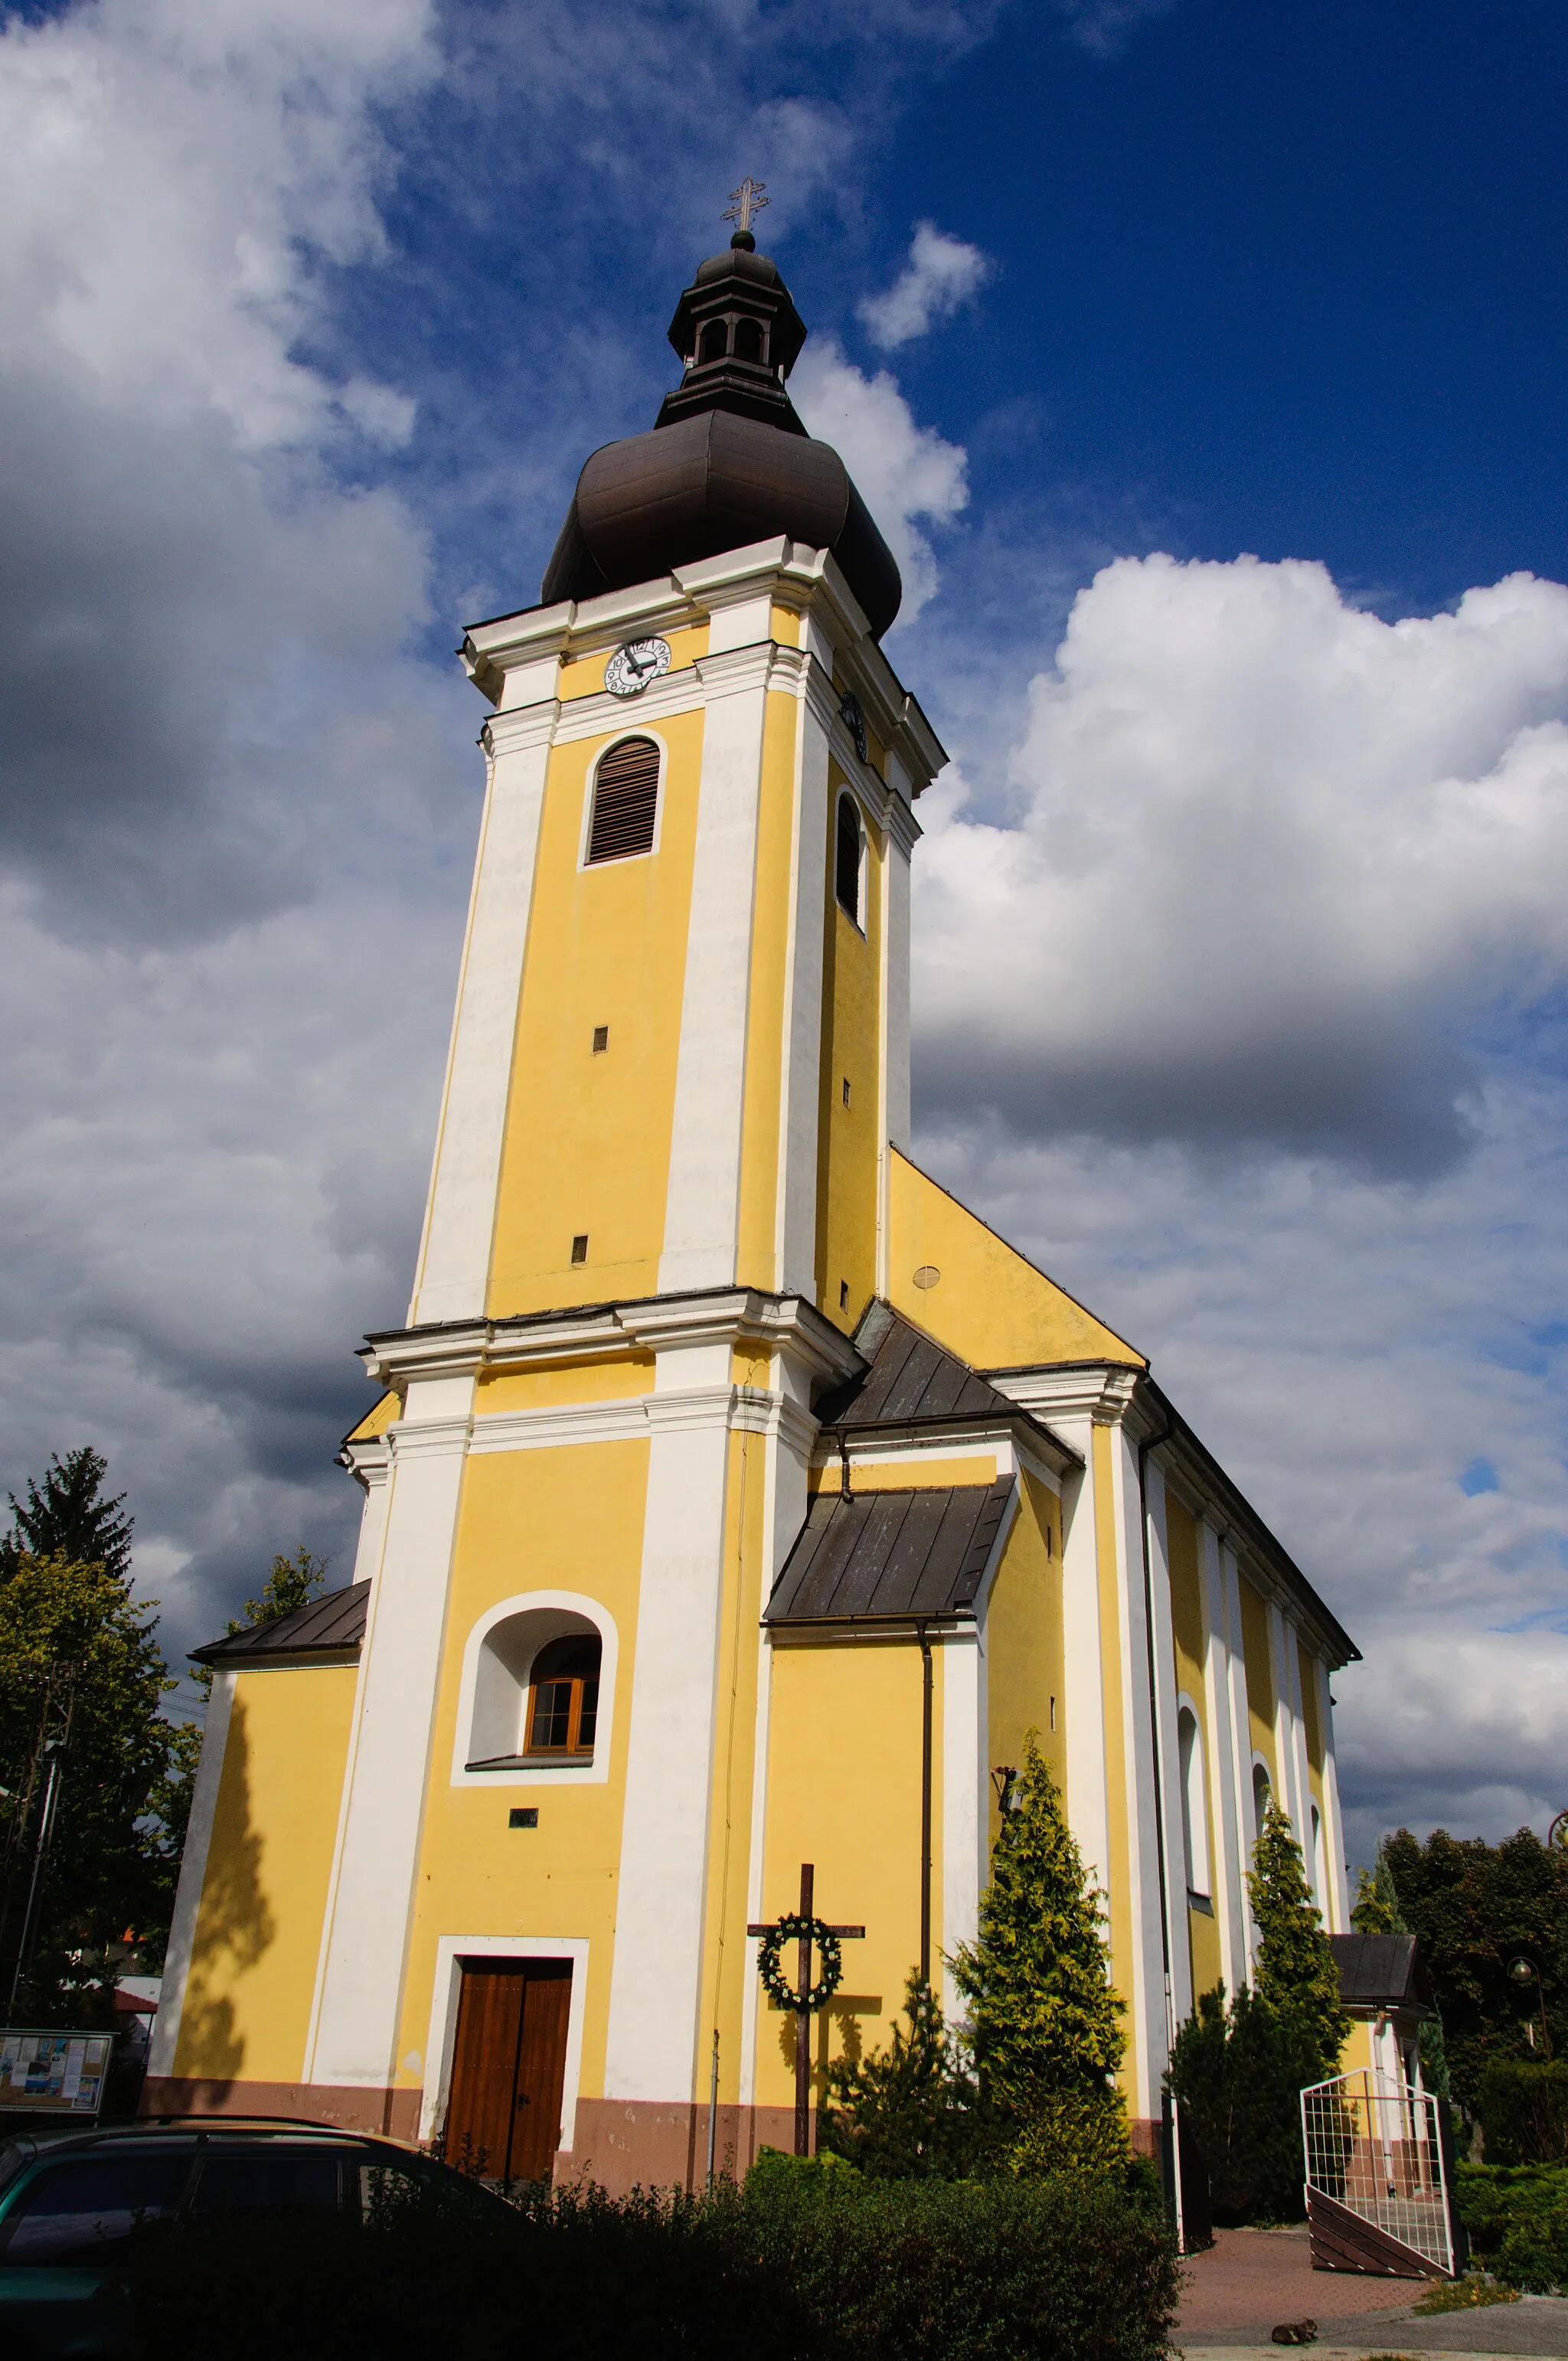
734, 1496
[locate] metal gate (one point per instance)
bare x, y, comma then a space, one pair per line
1374, 2149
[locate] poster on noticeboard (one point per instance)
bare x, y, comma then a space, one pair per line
53, 2073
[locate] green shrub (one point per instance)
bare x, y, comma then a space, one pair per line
809, 2262
1524, 2112
1517, 2220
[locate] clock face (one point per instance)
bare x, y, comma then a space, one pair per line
634, 664
850, 714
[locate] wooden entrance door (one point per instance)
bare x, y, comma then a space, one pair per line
508, 2062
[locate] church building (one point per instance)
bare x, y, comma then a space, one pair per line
734, 1498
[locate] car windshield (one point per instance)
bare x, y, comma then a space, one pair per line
83, 2208
263, 2179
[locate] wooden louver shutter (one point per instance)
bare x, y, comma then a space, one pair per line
626, 799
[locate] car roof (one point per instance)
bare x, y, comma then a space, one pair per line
160, 2131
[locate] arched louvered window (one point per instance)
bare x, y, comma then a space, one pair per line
626, 800
847, 859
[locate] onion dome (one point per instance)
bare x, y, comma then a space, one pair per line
728, 461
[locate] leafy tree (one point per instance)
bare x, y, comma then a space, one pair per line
65, 1517
1475, 1906
77, 1653
1295, 1974
1377, 1912
1237, 2074
911, 2111
1043, 2014
292, 1582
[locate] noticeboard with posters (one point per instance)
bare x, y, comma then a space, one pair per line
46, 2073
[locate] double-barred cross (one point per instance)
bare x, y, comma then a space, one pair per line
803, 2013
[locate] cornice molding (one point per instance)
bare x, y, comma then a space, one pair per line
519, 728
1103, 1391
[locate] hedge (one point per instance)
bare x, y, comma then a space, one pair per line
1518, 2219
806, 2263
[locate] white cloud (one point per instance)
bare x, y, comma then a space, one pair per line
903, 471
942, 273
1269, 853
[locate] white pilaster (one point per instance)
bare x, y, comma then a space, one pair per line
1226, 1805
656, 1976
798, 1115
1240, 1730
1333, 1826
1288, 1756
893, 1123
454, 1267
193, 1876
702, 1208
1145, 1985
1087, 1813
1169, 1751
354, 2037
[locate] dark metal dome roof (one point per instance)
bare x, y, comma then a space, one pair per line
728, 462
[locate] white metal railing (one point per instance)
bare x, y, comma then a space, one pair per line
1371, 2145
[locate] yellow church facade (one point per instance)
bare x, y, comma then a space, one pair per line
734, 1498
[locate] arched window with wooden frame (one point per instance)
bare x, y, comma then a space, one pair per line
626, 801
847, 857
563, 1698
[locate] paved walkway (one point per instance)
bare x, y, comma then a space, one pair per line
1251, 2281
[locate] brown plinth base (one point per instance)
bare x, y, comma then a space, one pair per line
1342, 2241
626, 2143
393, 2114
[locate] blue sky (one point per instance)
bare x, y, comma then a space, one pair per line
1202, 362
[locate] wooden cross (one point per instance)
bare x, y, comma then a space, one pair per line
802, 2014
745, 202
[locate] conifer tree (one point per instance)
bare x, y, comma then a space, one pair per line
1376, 1910
1044, 2017
1296, 1976
65, 1517
910, 2111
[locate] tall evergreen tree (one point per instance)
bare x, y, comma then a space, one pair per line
1295, 1976
1044, 2017
911, 2111
1376, 1910
67, 1517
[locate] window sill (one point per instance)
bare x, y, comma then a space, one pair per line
582, 1761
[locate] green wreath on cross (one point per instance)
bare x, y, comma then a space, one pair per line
793, 1928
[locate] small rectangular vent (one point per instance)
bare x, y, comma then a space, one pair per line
601, 1039
524, 1816
580, 1248
626, 801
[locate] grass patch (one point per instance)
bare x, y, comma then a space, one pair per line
1465, 2295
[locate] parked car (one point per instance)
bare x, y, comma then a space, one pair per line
73, 2205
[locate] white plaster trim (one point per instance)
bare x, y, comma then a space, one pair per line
450, 1951
1146, 2005
794, 1201
964, 1791
1083, 1696
1219, 1737
558, 1424
528, 1602
1240, 1739
1334, 1832
703, 1198
193, 1877
1101, 1390
752, 1995
453, 1270
1179, 1999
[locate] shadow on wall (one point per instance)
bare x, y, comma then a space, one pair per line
836, 2034
233, 1928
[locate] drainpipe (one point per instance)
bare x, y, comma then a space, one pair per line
1167, 2106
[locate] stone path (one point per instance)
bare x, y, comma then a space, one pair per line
1250, 2280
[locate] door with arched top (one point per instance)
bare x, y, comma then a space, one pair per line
509, 2068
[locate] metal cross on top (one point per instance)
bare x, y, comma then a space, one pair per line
745, 202
806, 1930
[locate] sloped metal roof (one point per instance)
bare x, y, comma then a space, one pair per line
911, 1377
327, 1627
890, 1556
1380, 1971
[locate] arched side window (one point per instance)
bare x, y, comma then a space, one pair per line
1319, 1863
1262, 1788
715, 341
1194, 1802
747, 343
847, 860
626, 801
531, 1691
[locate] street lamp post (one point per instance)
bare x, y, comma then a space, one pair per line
1523, 1973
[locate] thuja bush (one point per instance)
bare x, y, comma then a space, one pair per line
806, 2263
1517, 2220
